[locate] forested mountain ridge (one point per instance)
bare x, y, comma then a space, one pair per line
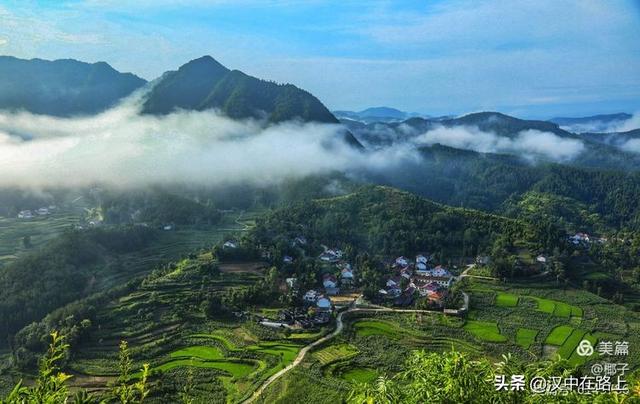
505, 125
388, 221
497, 182
64, 87
204, 83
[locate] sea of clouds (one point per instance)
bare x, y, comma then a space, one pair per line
123, 148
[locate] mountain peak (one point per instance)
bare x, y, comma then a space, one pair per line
203, 65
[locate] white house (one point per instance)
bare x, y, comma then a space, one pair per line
329, 281
483, 259
311, 296
421, 266
287, 259
291, 282
391, 282
329, 256
346, 274
405, 273
440, 271
579, 238
230, 244
541, 259
421, 259
402, 261
300, 240
25, 214
42, 211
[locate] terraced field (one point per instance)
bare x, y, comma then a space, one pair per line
39, 229
365, 328
334, 353
525, 337
165, 327
359, 375
506, 299
486, 331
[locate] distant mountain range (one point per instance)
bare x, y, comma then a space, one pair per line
606, 118
609, 151
494, 122
595, 123
377, 114
69, 87
62, 87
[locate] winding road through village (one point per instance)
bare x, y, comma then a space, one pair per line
340, 326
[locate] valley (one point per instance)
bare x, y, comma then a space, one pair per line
319, 202
196, 320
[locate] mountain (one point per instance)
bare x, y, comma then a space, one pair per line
622, 116
383, 112
386, 133
204, 84
608, 151
617, 139
378, 218
504, 125
62, 87
376, 114
595, 123
498, 182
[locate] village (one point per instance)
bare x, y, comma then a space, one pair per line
338, 286
419, 281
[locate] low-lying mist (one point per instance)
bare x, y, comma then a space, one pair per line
604, 126
124, 149
530, 144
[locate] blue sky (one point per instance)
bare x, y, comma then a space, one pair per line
537, 58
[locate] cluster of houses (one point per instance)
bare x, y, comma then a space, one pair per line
585, 239
302, 318
316, 310
338, 274
419, 277
298, 317
30, 214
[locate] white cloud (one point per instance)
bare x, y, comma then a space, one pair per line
630, 124
530, 144
632, 145
123, 149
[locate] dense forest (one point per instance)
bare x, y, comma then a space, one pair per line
498, 183
387, 221
69, 268
204, 83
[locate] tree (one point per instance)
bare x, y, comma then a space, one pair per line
454, 377
51, 387
126, 392
26, 241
